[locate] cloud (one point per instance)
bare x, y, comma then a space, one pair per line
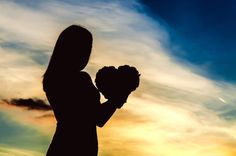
37, 55
30, 104
19, 76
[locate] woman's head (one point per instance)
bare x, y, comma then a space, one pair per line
71, 52
72, 49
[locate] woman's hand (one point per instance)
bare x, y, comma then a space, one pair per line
119, 100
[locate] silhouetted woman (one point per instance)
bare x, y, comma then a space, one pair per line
73, 97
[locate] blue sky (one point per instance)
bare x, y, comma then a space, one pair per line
184, 51
201, 32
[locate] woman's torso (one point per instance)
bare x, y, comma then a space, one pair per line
74, 101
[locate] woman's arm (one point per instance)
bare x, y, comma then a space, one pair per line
105, 111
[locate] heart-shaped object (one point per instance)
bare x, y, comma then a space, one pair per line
112, 82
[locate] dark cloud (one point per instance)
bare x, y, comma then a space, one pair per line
46, 116
30, 104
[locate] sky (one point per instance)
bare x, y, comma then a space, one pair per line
184, 50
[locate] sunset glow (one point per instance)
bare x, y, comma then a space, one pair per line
181, 108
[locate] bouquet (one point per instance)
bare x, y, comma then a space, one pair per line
117, 83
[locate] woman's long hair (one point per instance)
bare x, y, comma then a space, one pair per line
71, 53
